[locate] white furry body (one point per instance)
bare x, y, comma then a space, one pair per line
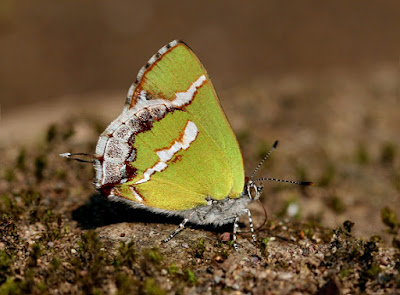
216, 212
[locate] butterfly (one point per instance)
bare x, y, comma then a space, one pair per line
172, 150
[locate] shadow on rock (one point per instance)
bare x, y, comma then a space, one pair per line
99, 211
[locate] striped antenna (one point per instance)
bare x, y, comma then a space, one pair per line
263, 160
287, 181
73, 156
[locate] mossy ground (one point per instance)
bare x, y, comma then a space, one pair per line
58, 236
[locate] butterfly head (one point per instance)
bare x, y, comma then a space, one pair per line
252, 190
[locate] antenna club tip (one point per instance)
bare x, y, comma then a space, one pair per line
65, 155
275, 144
307, 183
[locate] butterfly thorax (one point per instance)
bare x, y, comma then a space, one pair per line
219, 212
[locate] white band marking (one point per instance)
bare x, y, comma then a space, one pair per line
103, 176
165, 155
137, 196
182, 98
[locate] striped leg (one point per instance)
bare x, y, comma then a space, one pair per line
235, 227
251, 226
180, 228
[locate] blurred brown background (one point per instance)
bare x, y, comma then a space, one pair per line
323, 76
50, 49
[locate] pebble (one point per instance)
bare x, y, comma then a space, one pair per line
219, 258
385, 260
255, 259
225, 237
217, 279
285, 276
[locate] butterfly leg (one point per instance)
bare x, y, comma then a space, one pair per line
251, 226
180, 228
235, 227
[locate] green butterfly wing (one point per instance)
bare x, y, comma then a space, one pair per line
183, 149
